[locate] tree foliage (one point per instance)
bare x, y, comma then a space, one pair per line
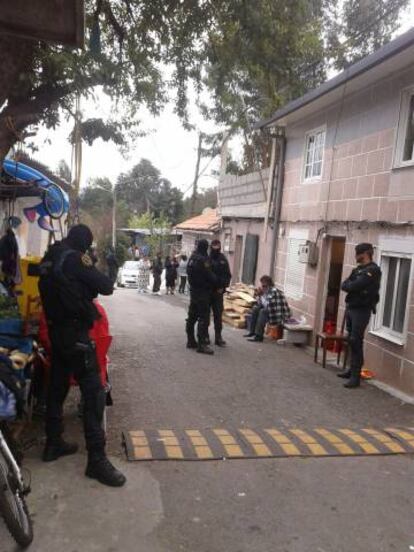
252, 56
206, 198
144, 189
356, 28
136, 37
160, 228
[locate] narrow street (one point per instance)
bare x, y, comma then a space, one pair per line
333, 504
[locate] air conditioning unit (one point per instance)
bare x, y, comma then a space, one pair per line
308, 253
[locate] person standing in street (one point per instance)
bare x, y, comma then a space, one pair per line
157, 269
362, 289
112, 265
271, 308
68, 285
170, 275
143, 275
182, 273
221, 269
202, 283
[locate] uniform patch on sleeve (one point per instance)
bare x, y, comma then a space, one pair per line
86, 260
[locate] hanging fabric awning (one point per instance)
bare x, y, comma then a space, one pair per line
19, 180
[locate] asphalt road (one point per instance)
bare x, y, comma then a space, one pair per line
358, 504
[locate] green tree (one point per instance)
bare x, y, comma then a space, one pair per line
253, 56
144, 189
358, 27
129, 41
160, 228
95, 209
206, 198
262, 54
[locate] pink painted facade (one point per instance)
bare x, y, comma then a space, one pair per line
362, 195
361, 189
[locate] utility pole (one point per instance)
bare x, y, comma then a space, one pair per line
114, 218
76, 168
197, 174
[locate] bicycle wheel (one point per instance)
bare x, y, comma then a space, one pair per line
13, 506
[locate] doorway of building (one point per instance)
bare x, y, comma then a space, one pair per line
238, 250
336, 264
251, 251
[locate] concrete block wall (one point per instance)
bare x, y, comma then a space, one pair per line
243, 196
358, 181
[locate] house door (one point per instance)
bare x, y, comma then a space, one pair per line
238, 248
336, 263
251, 250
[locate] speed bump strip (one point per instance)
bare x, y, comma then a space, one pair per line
244, 443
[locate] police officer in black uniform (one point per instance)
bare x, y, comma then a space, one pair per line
68, 284
221, 269
202, 281
362, 289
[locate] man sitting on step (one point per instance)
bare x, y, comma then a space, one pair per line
272, 308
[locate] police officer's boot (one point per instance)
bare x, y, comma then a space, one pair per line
56, 449
354, 379
204, 348
191, 342
346, 374
101, 469
219, 341
352, 383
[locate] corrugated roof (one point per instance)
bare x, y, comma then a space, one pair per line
391, 49
208, 221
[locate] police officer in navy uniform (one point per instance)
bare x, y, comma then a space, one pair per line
221, 269
362, 289
68, 284
202, 282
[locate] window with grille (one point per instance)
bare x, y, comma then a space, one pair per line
314, 150
295, 271
392, 314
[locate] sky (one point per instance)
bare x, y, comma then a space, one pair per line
167, 145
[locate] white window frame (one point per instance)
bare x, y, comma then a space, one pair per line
405, 101
377, 327
308, 135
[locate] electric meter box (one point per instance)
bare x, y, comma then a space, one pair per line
308, 253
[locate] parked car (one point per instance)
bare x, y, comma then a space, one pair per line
128, 274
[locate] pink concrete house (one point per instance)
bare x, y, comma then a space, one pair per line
346, 175
349, 177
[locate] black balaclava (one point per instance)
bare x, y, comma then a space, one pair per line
202, 247
80, 237
215, 248
364, 248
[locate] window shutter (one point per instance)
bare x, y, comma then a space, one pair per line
295, 271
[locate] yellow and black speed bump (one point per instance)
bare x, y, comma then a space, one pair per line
219, 443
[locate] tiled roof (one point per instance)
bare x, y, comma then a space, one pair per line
208, 221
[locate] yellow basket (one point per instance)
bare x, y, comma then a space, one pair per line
28, 291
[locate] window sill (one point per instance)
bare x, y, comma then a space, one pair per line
403, 165
388, 337
312, 180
